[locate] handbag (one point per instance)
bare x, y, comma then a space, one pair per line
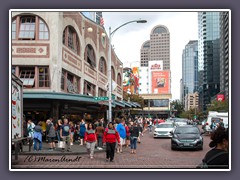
61, 144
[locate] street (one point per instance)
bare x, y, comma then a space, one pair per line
151, 153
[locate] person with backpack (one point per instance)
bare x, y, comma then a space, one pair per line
218, 156
110, 137
51, 134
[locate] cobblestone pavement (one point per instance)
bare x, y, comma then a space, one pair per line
151, 153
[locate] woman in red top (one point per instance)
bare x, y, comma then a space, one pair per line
90, 139
110, 137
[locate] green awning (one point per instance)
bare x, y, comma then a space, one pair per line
60, 96
127, 103
119, 103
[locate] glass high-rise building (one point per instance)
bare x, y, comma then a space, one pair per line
208, 56
189, 69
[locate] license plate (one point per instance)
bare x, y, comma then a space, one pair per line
186, 144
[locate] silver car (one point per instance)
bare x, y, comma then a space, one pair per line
163, 130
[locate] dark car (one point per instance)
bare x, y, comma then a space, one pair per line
186, 137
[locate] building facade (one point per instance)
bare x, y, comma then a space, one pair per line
209, 57
190, 69
224, 54
191, 101
61, 57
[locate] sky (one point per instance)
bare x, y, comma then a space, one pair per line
127, 41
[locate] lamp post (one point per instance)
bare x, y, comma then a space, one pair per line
110, 65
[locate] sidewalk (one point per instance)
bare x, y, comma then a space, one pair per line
75, 149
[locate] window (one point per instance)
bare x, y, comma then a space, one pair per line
89, 88
119, 79
27, 75
102, 66
101, 92
43, 30
113, 73
28, 27
90, 56
70, 83
44, 80
71, 40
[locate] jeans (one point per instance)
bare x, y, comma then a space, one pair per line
36, 142
133, 141
99, 141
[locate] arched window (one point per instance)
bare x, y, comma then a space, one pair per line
119, 79
71, 40
90, 56
113, 73
29, 27
102, 66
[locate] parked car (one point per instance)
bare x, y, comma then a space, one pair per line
163, 130
186, 137
180, 122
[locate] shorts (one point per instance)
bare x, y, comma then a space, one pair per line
122, 141
51, 139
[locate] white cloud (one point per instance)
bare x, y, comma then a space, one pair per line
128, 40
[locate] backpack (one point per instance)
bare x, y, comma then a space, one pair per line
204, 163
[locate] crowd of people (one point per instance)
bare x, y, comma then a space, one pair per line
114, 135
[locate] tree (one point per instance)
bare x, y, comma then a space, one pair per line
133, 98
220, 106
177, 107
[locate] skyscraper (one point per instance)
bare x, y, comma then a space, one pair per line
189, 69
209, 56
224, 53
157, 48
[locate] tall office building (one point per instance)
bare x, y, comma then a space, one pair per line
155, 74
189, 69
157, 48
224, 53
209, 57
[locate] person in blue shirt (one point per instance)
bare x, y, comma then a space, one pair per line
65, 133
122, 133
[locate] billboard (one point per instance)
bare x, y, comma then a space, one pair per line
135, 71
160, 82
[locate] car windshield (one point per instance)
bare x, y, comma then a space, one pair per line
187, 130
164, 126
180, 120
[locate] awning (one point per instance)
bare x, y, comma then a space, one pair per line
119, 103
127, 103
60, 96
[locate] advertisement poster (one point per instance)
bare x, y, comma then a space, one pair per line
135, 71
160, 82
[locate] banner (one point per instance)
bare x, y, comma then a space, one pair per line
160, 82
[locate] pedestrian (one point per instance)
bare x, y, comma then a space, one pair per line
110, 137
51, 135
221, 123
30, 128
58, 127
99, 133
38, 137
73, 129
65, 133
140, 132
122, 132
82, 129
213, 126
134, 134
127, 127
218, 156
90, 139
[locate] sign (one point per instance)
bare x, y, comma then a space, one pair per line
220, 97
101, 98
160, 82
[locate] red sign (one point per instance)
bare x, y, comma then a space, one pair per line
160, 82
220, 97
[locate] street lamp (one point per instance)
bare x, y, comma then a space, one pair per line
110, 65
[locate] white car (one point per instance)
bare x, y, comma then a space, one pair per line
163, 130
